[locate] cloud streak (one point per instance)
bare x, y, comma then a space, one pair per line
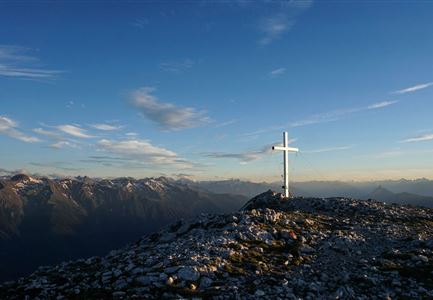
105, 127
16, 63
166, 115
426, 137
414, 88
325, 117
339, 114
63, 144
48, 133
388, 154
142, 151
75, 131
330, 149
224, 124
58, 140
9, 128
381, 104
246, 157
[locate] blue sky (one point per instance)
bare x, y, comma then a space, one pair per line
203, 89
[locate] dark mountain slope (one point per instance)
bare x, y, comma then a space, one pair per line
43, 221
11, 211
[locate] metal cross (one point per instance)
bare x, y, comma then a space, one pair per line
286, 149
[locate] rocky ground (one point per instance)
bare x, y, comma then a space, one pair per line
302, 248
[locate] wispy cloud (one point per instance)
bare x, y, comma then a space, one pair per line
277, 72
330, 149
131, 134
63, 144
58, 141
325, 117
245, 157
182, 175
381, 104
143, 151
389, 154
15, 53
224, 124
135, 148
10, 128
11, 71
51, 134
274, 26
70, 104
140, 22
177, 66
106, 127
168, 116
258, 132
426, 137
17, 63
339, 114
75, 131
414, 88
64, 166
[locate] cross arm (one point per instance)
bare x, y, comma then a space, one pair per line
285, 149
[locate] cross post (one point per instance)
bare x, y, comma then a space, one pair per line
286, 149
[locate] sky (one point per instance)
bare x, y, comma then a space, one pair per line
203, 89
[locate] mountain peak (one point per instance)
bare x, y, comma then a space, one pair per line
303, 247
269, 199
380, 191
20, 177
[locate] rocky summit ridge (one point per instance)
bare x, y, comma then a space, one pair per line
302, 248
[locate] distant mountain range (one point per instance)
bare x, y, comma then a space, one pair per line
385, 195
43, 221
413, 192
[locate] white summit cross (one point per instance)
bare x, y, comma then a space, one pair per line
286, 149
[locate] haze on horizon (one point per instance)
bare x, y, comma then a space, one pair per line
204, 89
